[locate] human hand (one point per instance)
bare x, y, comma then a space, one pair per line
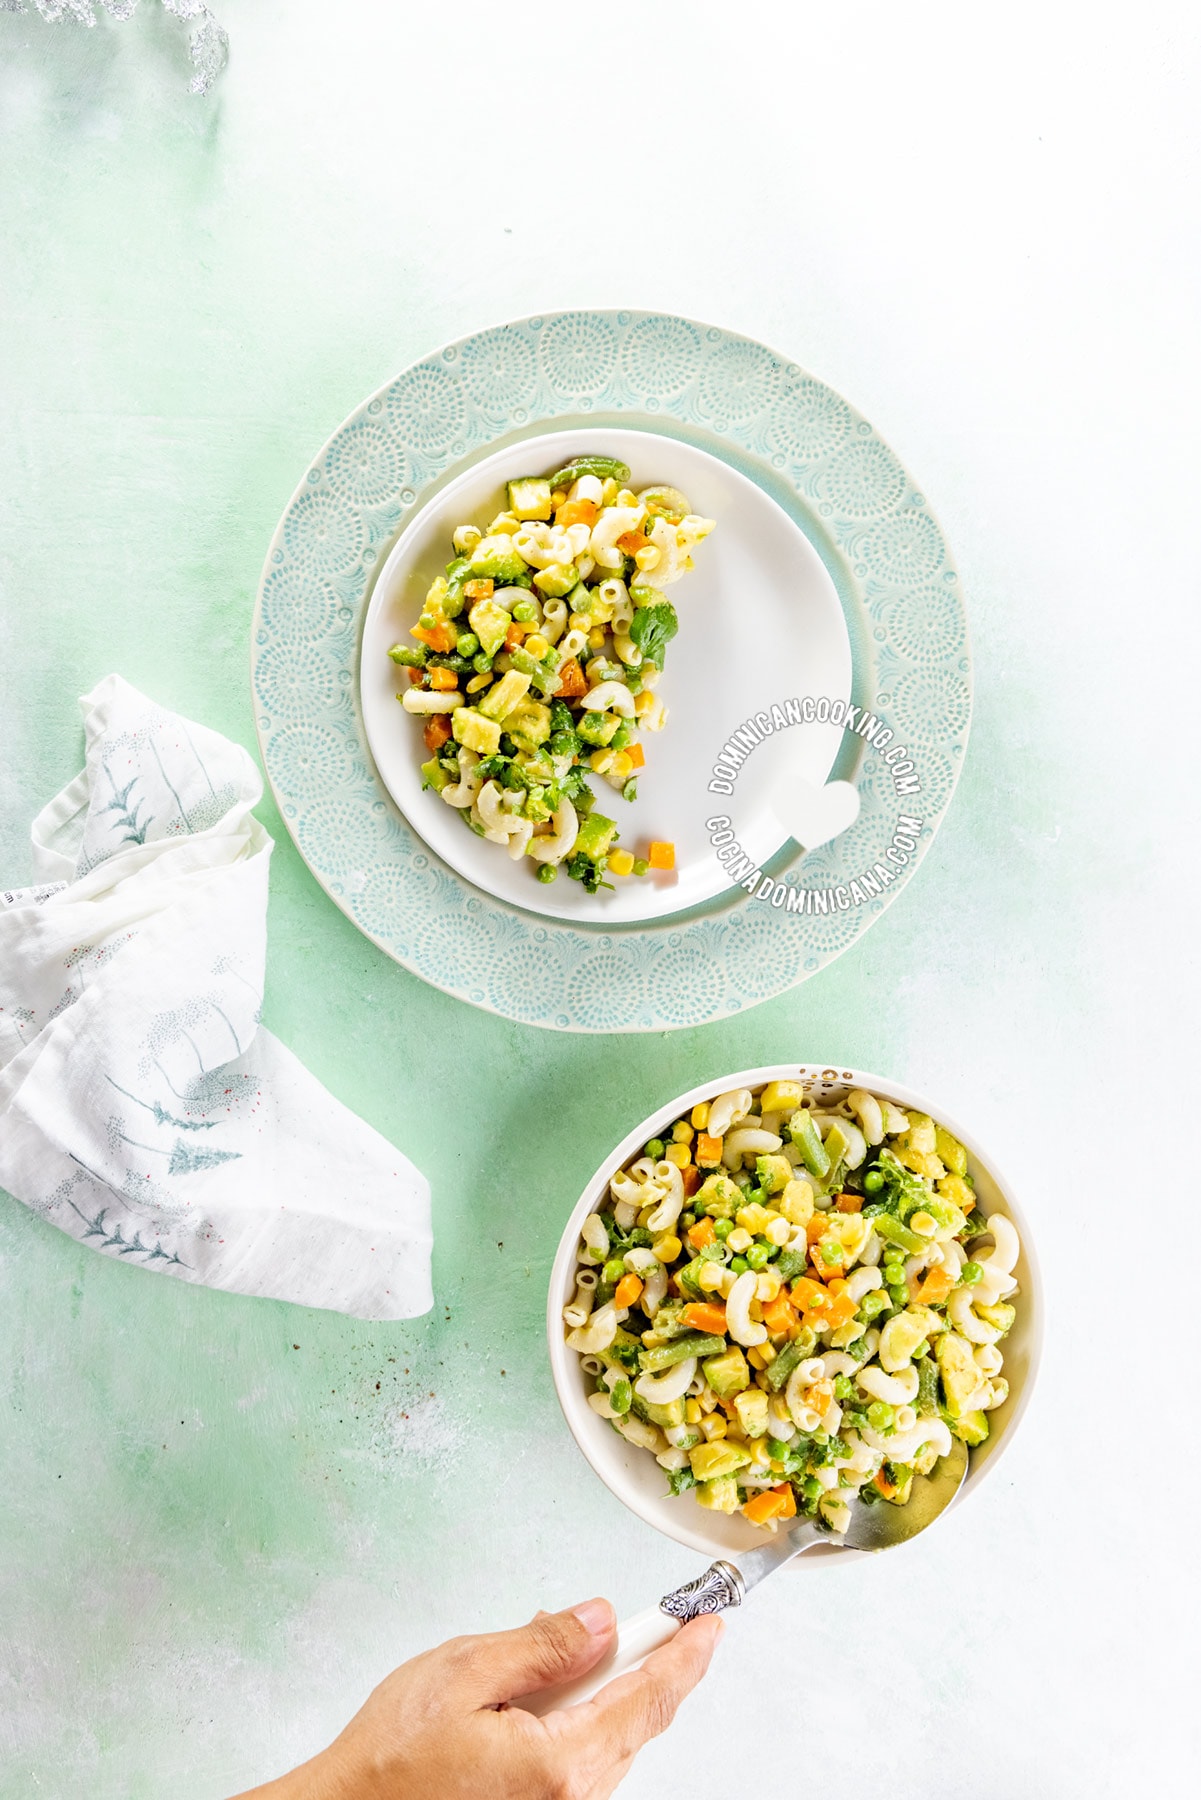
439, 1727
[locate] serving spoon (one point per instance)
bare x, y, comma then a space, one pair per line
726, 1584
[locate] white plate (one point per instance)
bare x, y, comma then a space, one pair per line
760, 619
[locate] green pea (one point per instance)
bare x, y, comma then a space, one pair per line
873, 1181
881, 1416
548, 872
739, 1264
844, 1388
655, 1149
687, 1220
427, 621
757, 1256
722, 1228
621, 1396
482, 664
898, 1295
641, 866
811, 1487
872, 1303
777, 1449
971, 1273
467, 645
613, 1270
526, 611
894, 1269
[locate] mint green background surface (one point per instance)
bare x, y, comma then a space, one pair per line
222, 1520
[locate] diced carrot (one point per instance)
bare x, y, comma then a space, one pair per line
815, 1228
515, 633
637, 755
441, 637
788, 1497
768, 1504
416, 677
577, 512
706, 1316
708, 1150
480, 589
443, 680
887, 1488
627, 1290
778, 1315
692, 1179
631, 542
810, 1295
819, 1395
702, 1233
841, 1310
573, 683
836, 1284
661, 856
849, 1203
437, 731
935, 1287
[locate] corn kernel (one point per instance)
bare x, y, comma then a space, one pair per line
778, 1230
710, 1277
681, 1132
756, 1357
620, 862
627, 498
692, 1412
608, 491
623, 768
558, 498
596, 640
714, 1426
602, 761
678, 1154
767, 1286
769, 1353
740, 1240
477, 682
752, 1218
758, 1449
643, 702
706, 1399
700, 1115
667, 1247
537, 645
647, 558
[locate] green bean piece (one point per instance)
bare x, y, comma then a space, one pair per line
807, 1138
621, 1396
693, 1343
782, 1366
603, 467
887, 1227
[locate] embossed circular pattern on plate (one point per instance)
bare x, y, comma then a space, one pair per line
780, 424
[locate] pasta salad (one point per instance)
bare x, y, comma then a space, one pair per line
794, 1306
536, 661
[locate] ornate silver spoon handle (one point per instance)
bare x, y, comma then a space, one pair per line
718, 1588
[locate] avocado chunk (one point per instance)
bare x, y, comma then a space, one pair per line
598, 728
718, 1196
490, 623
774, 1172
435, 776
972, 1427
496, 557
668, 1414
475, 731
530, 721
594, 836
556, 580
1000, 1317
720, 1495
504, 695
720, 1458
957, 1366
728, 1373
751, 1407
530, 498
950, 1151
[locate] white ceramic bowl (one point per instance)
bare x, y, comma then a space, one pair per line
633, 1474
760, 620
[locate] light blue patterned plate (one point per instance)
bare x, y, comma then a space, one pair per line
813, 454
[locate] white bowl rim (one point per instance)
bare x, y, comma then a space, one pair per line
562, 1359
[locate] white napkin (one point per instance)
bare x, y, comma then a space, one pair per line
142, 1107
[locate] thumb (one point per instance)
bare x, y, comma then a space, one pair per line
553, 1647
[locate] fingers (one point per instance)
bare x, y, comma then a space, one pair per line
553, 1647
638, 1706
